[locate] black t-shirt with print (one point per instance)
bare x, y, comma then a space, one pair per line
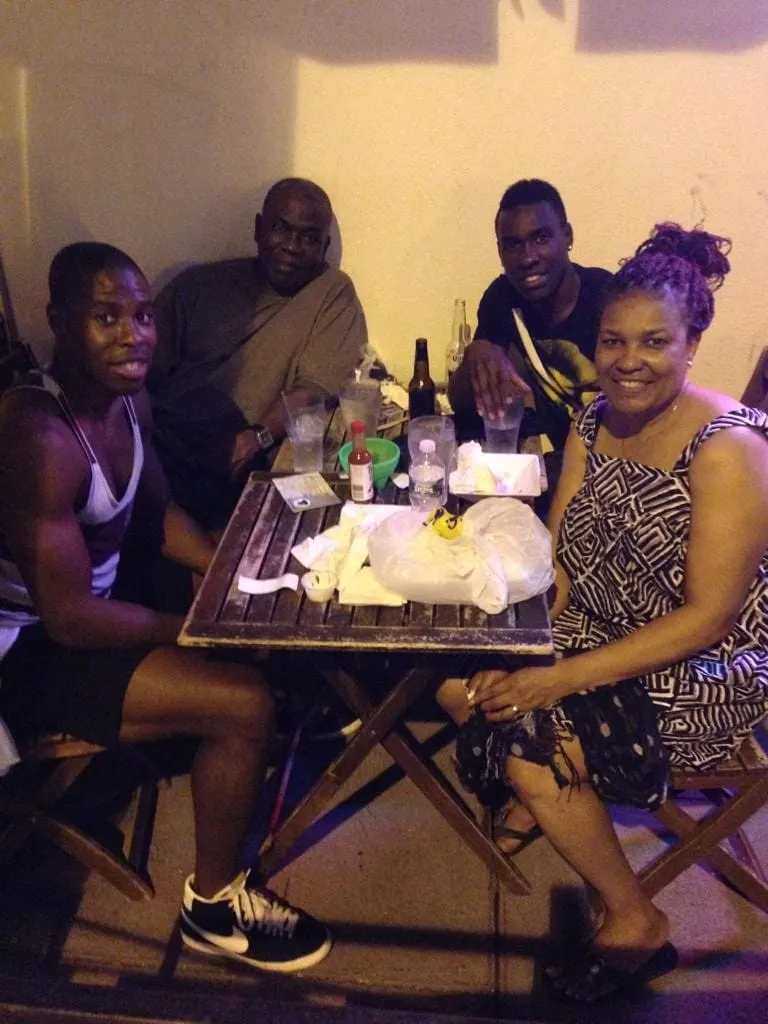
567, 351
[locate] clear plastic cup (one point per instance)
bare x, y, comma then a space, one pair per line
502, 433
305, 427
361, 400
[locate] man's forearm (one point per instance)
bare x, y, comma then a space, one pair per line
96, 622
246, 443
185, 541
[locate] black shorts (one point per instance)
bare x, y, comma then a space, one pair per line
46, 687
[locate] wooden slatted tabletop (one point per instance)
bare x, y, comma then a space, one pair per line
258, 543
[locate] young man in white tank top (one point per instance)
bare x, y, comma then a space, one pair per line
76, 462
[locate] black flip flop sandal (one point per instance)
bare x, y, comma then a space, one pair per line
502, 831
599, 980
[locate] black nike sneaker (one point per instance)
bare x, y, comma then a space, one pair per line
253, 925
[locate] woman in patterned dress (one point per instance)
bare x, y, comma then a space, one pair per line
661, 613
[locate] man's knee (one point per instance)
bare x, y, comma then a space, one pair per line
214, 696
249, 704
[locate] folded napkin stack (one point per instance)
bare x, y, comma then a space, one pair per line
491, 473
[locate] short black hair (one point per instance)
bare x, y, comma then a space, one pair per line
74, 267
528, 191
301, 187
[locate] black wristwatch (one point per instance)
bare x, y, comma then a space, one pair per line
263, 436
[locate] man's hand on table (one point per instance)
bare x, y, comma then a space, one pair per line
495, 382
503, 696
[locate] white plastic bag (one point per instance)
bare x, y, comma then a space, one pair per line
410, 559
523, 542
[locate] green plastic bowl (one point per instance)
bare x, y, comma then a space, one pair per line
386, 456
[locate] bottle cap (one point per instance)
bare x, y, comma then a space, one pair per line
426, 445
357, 427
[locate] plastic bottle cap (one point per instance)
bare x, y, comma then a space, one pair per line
357, 427
427, 445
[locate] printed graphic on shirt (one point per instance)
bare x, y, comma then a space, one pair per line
572, 378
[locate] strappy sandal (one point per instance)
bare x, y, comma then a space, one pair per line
500, 830
596, 979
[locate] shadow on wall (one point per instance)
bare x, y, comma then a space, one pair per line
717, 26
160, 134
338, 31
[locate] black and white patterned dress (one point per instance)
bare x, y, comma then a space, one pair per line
623, 543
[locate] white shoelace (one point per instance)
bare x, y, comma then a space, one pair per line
264, 911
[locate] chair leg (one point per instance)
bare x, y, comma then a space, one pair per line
117, 871
739, 841
699, 840
128, 875
143, 828
23, 812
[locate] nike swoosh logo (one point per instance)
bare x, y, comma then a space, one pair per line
237, 942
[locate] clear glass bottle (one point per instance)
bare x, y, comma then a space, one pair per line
421, 389
360, 466
459, 339
427, 485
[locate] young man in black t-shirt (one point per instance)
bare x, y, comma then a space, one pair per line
537, 324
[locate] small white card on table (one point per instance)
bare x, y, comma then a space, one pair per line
303, 491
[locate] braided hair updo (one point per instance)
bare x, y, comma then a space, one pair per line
685, 266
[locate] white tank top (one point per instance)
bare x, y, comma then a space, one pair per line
101, 509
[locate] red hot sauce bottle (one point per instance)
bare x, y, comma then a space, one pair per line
360, 466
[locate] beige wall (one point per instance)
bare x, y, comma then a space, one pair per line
156, 124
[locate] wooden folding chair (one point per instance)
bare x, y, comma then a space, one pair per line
30, 796
736, 789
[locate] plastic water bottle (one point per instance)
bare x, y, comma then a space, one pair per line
427, 486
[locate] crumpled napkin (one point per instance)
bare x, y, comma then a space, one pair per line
343, 551
492, 473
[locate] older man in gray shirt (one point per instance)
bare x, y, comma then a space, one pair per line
233, 335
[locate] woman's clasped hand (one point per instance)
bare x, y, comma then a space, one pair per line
502, 695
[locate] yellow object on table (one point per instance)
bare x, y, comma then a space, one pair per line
445, 524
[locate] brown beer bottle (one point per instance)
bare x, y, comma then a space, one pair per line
421, 390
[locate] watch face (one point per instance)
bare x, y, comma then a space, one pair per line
264, 437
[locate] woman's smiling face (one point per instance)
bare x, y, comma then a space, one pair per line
643, 352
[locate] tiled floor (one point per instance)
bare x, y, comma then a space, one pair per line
419, 925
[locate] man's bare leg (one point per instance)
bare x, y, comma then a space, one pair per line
177, 692
224, 913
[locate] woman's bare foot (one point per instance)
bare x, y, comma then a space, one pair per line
629, 939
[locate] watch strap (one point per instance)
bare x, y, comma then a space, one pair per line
263, 436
